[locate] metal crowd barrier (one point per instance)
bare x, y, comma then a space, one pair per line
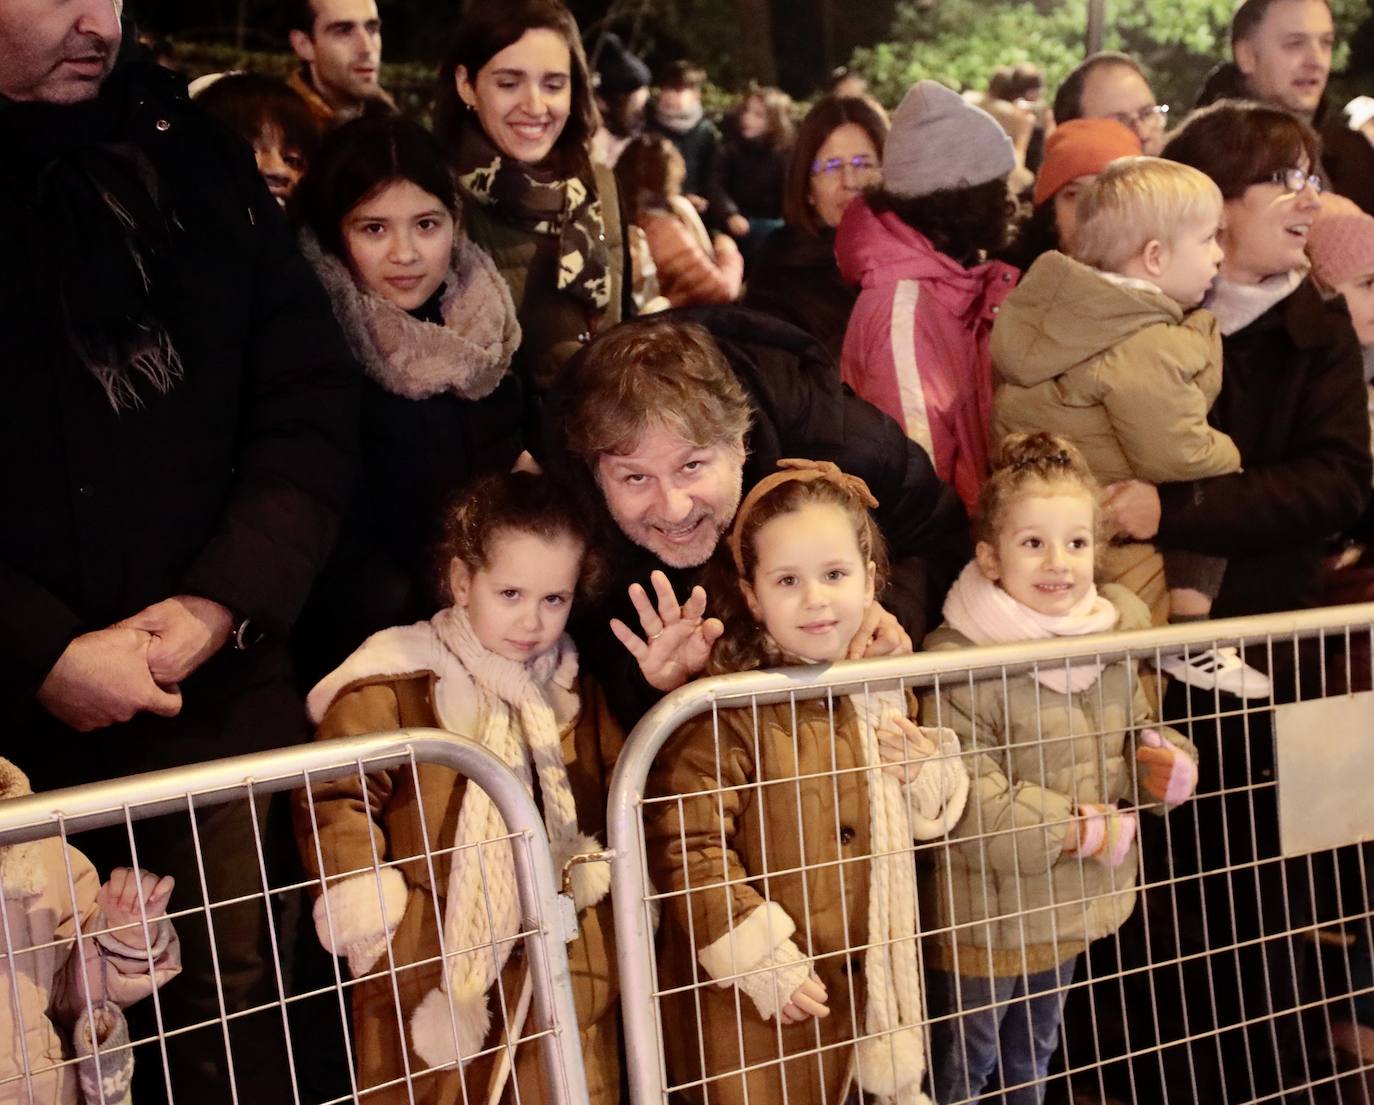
304, 1016
1243, 971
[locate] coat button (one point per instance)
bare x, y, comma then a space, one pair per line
846, 834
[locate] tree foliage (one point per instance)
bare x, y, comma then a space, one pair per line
960, 42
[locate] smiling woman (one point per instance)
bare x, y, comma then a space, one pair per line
516, 113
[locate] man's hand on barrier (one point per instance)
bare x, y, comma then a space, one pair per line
879, 634
808, 1000
902, 746
102, 678
118, 900
677, 639
187, 630
1132, 506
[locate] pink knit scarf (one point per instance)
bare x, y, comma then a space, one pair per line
987, 615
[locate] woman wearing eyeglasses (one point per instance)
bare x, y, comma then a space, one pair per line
794, 277
1293, 400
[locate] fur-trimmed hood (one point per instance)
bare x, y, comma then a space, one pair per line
467, 355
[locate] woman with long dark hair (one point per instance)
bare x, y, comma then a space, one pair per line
431, 321
515, 113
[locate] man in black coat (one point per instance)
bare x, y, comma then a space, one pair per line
176, 444
1282, 51
671, 420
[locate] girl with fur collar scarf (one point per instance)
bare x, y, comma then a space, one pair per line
497, 668
431, 321
72, 989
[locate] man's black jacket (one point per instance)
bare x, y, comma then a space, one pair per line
801, 409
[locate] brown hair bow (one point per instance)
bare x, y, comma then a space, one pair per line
800, 471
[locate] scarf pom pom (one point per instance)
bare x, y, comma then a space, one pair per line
590, 881
890, 1066
432, 1026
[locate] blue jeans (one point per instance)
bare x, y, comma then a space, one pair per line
998, 1032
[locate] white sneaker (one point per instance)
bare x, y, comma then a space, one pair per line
1216, 669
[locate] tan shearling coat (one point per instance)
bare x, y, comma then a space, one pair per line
1002, 897
387, 812
776, 803
1124, 373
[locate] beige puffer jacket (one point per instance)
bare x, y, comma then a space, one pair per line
48, 980
1002, 888
1125, 374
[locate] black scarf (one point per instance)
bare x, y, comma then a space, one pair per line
545, 202
95, 206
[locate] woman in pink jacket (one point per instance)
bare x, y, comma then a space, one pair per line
917, 342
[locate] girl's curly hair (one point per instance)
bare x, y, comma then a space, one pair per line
518, 502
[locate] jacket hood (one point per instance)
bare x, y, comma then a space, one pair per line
1064, 314
1225, 82
876, 250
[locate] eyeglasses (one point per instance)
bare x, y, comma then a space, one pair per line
1143, 117
1295, 180
860, 163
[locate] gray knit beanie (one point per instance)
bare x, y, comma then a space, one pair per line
939, 140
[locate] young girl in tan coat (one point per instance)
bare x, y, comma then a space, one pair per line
497, 668
789, 909
1044, 860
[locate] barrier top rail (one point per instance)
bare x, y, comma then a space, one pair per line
174, 790
628, 783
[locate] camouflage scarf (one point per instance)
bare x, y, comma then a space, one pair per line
544, 202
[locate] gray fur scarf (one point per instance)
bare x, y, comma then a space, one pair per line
468, 355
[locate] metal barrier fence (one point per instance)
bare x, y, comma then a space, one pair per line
1219, 952
54, 939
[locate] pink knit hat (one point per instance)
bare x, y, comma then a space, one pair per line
1080, 147
1341, 242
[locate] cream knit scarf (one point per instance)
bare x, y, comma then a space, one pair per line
482, 909
987, 615
889, 1060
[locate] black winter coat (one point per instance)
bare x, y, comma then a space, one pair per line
801, 409
1293, 399
230, 486
795, 278
752, 174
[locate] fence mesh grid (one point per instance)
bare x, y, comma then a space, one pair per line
1190, 958
314, 1029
